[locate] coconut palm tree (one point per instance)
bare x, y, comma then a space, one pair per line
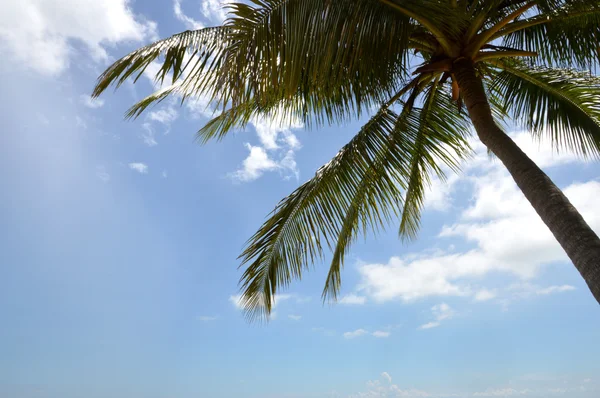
425, 71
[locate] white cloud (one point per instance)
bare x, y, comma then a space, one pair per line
164, 174
92, 103
276, 151
440, 313
381, 334
148, 135
274, 131
387, 377
254, 165
39, 33
200, 107
414, 278
259, 161
236, 300
497, 207
295, 317
384, 388
484, 295
165, 115
353, 299
214, 10
355, 334
527, 289
555, 289
429, 325
205, 318
190, 23
139, 167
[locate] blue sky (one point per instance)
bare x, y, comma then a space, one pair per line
119, 242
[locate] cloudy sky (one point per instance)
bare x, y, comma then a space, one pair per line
118, 271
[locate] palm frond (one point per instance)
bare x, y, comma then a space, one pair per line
565, 36
359, 190
563, 103
292, 237
200, 45
440, 139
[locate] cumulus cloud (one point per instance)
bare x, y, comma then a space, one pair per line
276, 151
139, 167
496, 207
40, 34
260, 161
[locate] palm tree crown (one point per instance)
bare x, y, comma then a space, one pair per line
326, 61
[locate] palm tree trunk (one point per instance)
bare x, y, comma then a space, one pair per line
579, 241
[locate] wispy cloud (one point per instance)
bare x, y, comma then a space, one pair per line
165, 115
189, 22
381, 334
141, 168
485, 295
295, 317
92, 103
353, 299
148, 135
354, 334
440, 313
102, 174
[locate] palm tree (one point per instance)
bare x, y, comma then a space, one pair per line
411, 65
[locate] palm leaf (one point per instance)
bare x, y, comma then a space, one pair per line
563, 103
568, 35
